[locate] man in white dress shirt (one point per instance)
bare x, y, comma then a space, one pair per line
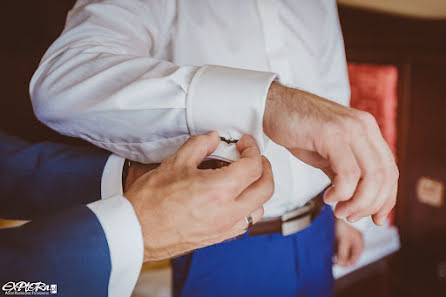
140, 77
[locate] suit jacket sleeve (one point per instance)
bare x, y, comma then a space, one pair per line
68, 249
38, 179
93, 250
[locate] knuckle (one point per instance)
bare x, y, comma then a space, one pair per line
194, 138
376, 174
358, 206
175, 161
256, 169
380, 173
333, 129
367, 119
351, 173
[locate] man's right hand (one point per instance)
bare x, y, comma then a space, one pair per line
343, 142
182, 208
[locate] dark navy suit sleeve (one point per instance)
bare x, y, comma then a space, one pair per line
38, 179
68, 249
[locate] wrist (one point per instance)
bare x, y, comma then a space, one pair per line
133, 171
273, 91
273, 104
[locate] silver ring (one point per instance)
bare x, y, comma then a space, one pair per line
248, 221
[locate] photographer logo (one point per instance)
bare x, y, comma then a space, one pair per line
29, 288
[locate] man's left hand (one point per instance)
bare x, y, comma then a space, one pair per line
349, 244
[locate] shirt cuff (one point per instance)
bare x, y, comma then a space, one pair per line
124, 236
230, 101
111, 183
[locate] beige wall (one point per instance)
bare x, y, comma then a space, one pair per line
416, 8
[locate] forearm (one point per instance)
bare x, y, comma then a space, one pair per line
100, 81
125, 104
104, 81
39, 179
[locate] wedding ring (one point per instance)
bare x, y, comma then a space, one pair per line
248, 221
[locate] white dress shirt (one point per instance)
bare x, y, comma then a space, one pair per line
140, 77
121, 228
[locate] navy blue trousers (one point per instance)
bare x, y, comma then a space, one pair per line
262, 266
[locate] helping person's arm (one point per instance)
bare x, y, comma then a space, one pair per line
42, 178
78, 249
98, 249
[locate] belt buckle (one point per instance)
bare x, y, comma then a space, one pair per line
298, 219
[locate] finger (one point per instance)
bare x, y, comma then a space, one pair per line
355, 208
387, 196
256, 216
257, 193
243, 172
342, 252
380, 217
241, 226
346, 173
373, 207
355, 250
329, 172
371, 180
196, 149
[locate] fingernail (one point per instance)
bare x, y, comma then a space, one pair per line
340, 214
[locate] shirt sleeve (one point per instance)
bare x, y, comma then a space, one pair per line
122, 229
105, 80
111, 182
124, 237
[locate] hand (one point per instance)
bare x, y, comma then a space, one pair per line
349, 244
182, 208
135, 171
345, 143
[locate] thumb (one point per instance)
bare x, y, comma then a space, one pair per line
197, 148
